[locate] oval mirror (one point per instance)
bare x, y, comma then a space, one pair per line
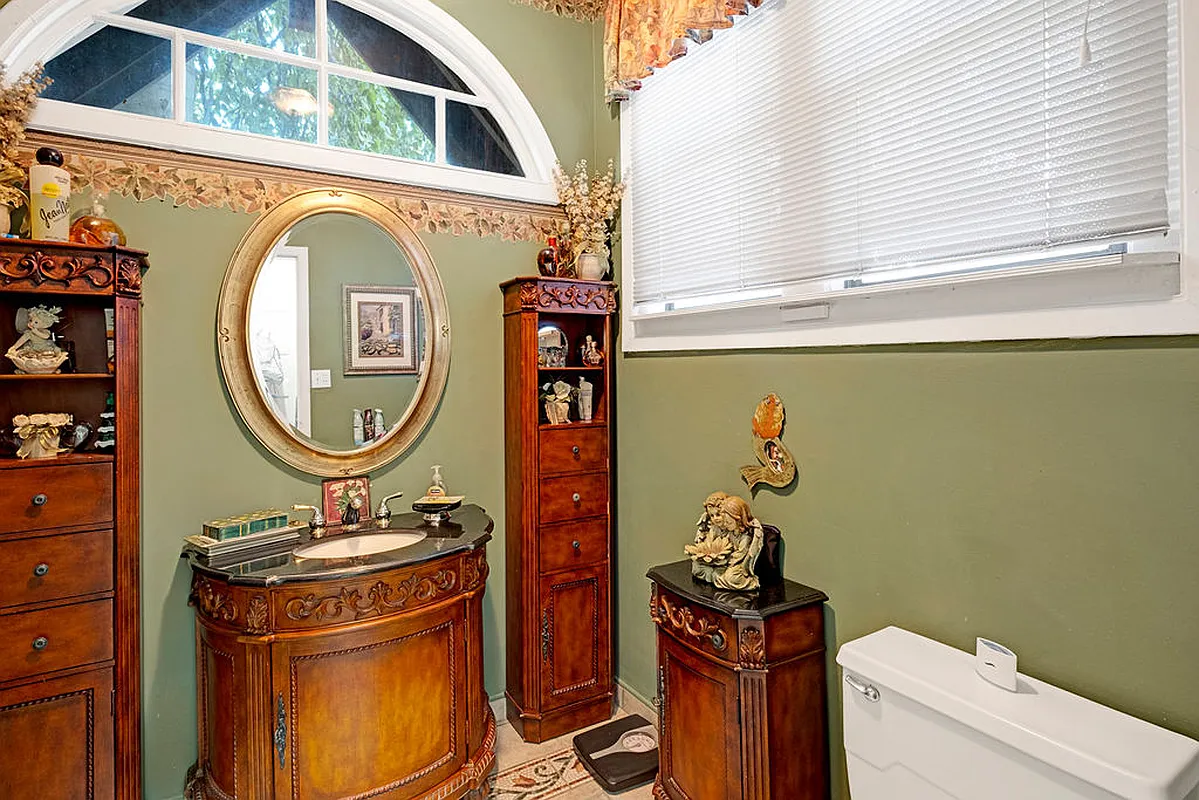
333, 333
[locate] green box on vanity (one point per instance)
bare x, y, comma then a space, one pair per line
242, 524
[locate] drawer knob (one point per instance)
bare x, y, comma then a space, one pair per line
40, 643
41, 569
40, 499
576, 497
575, 544
575, 450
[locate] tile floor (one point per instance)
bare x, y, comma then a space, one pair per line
511, 750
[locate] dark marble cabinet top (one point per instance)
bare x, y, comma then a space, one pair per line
467, 528
763, 603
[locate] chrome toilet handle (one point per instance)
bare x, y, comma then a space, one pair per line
864, 689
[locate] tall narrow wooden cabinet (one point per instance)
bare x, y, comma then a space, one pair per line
558, 515
70, 688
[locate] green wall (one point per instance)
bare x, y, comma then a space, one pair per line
200, 462
1039, 494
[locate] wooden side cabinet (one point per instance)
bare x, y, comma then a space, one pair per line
741, 683
70, 665
558, 515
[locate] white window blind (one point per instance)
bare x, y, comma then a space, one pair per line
826, 139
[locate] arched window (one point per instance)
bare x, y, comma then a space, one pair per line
386, 89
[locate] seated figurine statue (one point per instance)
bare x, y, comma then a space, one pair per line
728, 540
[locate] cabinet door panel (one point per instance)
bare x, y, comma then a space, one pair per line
700, 757
575, 660
57, 739
366, 711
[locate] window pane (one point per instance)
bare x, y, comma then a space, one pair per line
379, 119
474, 140
362, 42
284, 25
242, 93
115, 68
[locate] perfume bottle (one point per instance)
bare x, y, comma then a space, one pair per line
547, 259
96, 229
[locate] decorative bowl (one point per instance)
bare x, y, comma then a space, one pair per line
38, 363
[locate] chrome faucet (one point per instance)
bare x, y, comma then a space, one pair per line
383, 515
317, 523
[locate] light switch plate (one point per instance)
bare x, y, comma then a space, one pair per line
321, 379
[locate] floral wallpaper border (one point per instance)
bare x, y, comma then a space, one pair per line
203, 182
583, 10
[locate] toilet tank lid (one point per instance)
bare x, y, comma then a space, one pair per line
1124, 755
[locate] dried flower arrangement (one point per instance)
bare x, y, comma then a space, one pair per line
590, 202
17, 100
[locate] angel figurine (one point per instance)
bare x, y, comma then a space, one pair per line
557, 402
35, 353
728, 541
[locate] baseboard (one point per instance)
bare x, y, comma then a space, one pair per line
498, 708
631, 702
627, 700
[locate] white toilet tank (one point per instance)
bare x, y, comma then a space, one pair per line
920, 724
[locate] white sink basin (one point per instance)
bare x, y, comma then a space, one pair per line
364, 545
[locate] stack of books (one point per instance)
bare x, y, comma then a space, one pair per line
222, 537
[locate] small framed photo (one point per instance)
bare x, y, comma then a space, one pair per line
346, 500
381, 330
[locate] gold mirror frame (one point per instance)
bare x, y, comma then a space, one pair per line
233, 318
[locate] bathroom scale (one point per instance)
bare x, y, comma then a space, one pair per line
621, 754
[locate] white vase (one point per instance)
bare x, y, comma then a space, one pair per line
590, 267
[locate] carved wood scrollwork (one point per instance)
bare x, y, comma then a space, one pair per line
38, 267
257, 615
129, 276
212, 603
474, 570
379, 599
690, 624
555, 296
752, 650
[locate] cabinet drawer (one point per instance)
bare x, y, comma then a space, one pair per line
573, 497
50, 567
52, 497
577, 450
56, 638
573, 544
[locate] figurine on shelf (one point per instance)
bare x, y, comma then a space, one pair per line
586, 393
557, 402
728, 541
592, 356
40, 434
35, 353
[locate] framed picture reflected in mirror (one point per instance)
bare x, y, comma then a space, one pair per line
381, 331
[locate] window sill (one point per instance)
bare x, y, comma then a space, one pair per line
1145, 295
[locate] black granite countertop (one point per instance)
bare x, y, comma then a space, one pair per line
467, 528
755, 605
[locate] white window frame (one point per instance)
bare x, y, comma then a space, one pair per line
37, 30
1140, 294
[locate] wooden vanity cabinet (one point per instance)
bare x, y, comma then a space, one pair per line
362, 687
741, 687
70, 665
558, 512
